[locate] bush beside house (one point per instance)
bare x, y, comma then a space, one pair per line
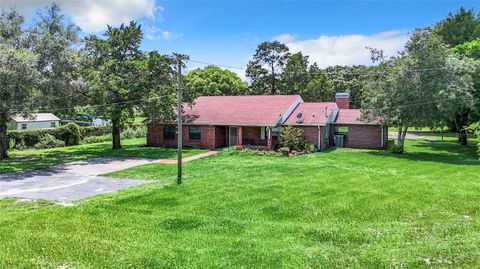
293, 139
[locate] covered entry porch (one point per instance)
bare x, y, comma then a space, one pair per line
259, 137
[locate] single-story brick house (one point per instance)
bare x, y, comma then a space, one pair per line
256, 121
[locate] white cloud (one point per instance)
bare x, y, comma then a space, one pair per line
284, 38
349, 49
94, 15
155, 33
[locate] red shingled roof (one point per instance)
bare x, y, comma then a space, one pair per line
260, 110
351, 116
311, 114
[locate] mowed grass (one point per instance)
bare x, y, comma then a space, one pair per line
343, 208
35, 159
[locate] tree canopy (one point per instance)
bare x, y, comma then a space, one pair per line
213, 81
266, 66
113, 72
426, 86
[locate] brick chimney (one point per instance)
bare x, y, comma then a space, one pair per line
343, 100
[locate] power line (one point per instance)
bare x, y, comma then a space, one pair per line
89, 106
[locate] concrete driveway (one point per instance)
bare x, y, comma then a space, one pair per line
69, 182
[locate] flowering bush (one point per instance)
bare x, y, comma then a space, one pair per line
239, 147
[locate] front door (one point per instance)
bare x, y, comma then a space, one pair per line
233, 137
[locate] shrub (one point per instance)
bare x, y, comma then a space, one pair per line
293, 138
126, 134
134, 133
49, 141
95, 131
239, 147
69, 134
97, 139
475, 129
309, 147
247, 151
87, 131
284, 151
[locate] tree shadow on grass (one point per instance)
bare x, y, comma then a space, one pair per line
440, 152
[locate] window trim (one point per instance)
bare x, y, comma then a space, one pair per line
172, 132
23, 125
190, 133
53, 124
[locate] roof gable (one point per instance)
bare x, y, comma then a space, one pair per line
260, 110
311, 113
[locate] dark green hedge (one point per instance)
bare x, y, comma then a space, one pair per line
69, 133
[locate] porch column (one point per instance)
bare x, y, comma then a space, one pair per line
269, 138
240, 136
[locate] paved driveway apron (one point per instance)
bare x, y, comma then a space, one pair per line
69, 182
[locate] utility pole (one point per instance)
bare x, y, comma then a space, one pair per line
179, 58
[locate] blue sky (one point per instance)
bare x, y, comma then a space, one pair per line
227, 32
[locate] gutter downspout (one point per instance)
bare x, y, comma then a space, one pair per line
383, 130
319, 147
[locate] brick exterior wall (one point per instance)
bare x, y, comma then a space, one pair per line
251, 135
343, 103
359, 136
211, 137
311, 134
362, 136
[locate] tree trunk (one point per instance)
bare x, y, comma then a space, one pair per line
116, 144
462, 137
402, 133
3, 136
461, 132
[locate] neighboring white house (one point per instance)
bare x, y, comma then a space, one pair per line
35, 121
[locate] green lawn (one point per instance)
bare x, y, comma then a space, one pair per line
34, 159
341, 208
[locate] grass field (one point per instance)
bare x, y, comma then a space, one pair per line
341, 208
35, 159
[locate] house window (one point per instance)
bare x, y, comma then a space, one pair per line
168, 132
341, 130
24, 126
194, 133
262, 133
53, 124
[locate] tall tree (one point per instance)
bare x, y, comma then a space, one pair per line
113, 69
213, 81
419, 88
295, 76
265, 68
320, 88
19, 91
470, 50
159, 85
57, 43
19, 78
460, 27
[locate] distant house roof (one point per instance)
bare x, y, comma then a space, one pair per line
259, 110
352, 116
36, 117
311, 114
